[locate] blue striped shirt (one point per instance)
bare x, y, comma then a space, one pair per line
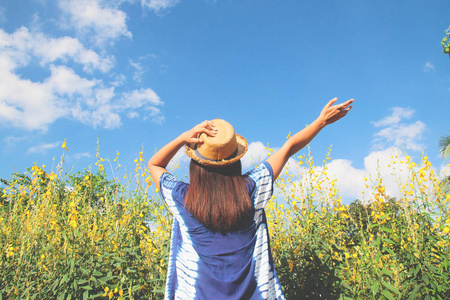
210, 265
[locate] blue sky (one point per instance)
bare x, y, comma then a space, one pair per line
137, 73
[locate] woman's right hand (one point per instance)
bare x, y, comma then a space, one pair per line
331, 113
193, 135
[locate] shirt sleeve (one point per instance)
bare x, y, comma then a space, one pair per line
263, 178
168, 184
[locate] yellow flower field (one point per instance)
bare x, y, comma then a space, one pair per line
84, 236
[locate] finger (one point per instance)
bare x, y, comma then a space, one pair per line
345, 112
210, 132
209, 125
347, 108
348, 102
195, 140
331, 102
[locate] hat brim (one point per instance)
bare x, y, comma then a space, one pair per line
242, 146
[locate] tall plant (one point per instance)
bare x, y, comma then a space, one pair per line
445, 43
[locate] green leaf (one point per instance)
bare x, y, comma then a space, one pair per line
385, 229
88, 288
97, 273
135, 288
65, 278
416, 270
72, 264
61, 296
55, 285
387, 272
84, 271
85, 295
346, 285
375, 287
387, 295
390, 287
97, 296
414, 292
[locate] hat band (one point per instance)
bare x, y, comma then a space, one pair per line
229, 157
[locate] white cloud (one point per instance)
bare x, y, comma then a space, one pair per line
22, 46
26, 104
444, 171
406, 135
348, 178
43, 147
139, 70
11, 141
398, 113
65, 82
428, 67
158, 5
139, 98
132, 115
34, 105
397, 133
145, 99
180, 158
77, 156
97, 18
256, 153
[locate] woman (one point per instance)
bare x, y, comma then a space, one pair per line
220, 243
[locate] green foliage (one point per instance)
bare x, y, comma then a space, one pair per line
380, 248
83, 236
445, 43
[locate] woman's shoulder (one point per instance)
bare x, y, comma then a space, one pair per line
170, 184
262, 170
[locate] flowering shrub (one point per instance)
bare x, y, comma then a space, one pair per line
386, 248
83, 236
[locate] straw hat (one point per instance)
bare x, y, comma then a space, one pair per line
223, 149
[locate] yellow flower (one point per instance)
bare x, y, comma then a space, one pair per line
64, 146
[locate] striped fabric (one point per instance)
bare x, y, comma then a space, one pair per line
210, 265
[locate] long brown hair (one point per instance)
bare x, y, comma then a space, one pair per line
217, 196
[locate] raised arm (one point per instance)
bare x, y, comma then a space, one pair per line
330, 114
158, 163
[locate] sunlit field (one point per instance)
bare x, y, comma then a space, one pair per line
83, 235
